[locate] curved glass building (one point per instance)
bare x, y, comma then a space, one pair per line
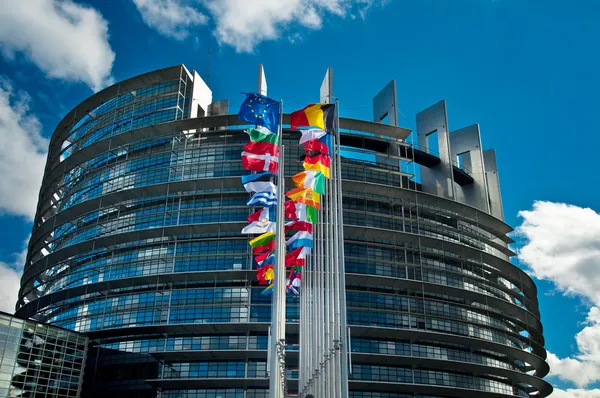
137, 244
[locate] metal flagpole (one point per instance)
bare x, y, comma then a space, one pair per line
342, 268
336, 365
331, 379
278, 300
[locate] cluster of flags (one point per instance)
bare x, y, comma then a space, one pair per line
261, 155
305, 199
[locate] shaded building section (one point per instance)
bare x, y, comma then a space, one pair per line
38, 360
136, 243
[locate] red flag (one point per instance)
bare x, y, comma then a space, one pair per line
299, 226
262, 148
320, 163
261, 216
296, 258
265, 273
264, 162
317, 115
269, 247
262, 257
316, 146
290, 209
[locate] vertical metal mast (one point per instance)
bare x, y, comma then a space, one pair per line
341, 265
278, 303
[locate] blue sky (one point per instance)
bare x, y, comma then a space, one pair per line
525, 70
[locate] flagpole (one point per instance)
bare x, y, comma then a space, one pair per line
276, 379
342, 267
335, 279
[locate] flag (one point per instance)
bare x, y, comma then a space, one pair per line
262, 258
300, 239
262, 148
312, 179
262, 239
260, 182
316, 115
320, 163
327, 140
294, 258
266, 199
294, 279
254, 162
261, 216
269, 247
316, 146
291, 288
300, 211
311, 134
295, 272
299, 226
268, 291
262, 134
306, 196
258, 227
260, 110
265, 273
269, 260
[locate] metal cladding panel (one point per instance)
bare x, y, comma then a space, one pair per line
385, 104
493, 183
326, 91
219, 108
201, 97
262, 80
438, 179
468, 140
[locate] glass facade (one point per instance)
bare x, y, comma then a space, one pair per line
136, 243
38, 360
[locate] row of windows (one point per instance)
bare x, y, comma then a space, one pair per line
113, 179
429, 377
229, 393
111, 271
256, 369
108, 183
191, 343
119, 108
181, 264
145, 221
358, 346
147, 206
85, 320
427, 351
241, 296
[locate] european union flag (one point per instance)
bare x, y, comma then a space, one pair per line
260, 110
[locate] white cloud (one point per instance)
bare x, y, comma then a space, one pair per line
573, 393
10, 280
243, 24
562, 245
583, 368
171, 18
244, 27
66, 40
22, 153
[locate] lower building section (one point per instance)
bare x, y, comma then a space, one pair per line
38, 360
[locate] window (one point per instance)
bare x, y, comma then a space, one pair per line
464, 159
432, 143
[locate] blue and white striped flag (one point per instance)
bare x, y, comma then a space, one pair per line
266, 199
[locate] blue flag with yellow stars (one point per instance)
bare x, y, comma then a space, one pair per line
260, 110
